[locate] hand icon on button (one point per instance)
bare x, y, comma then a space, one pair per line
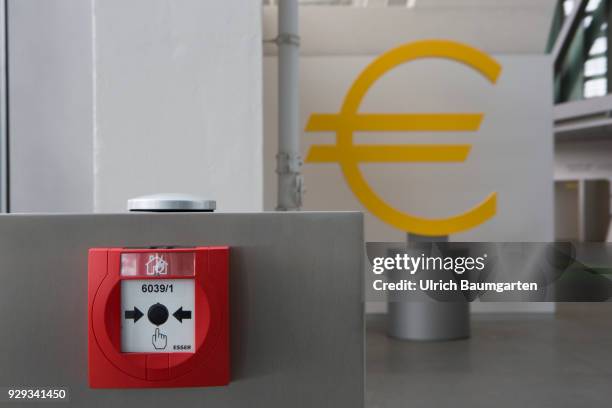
159, 340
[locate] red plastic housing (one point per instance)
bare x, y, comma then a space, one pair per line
208, 365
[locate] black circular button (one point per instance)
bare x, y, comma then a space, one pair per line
158, 314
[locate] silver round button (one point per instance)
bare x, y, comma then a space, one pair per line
171, 203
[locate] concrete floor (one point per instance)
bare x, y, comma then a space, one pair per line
517, 360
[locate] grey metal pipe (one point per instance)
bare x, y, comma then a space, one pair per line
288, 159
4, 154
428, 319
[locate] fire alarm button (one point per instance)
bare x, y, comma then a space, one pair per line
158, 317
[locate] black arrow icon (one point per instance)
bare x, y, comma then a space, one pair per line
181, 314
133, 314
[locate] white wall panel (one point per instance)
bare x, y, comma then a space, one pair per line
512, 153
50, 112
178, 101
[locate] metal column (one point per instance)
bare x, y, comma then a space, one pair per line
428, 319
288, 159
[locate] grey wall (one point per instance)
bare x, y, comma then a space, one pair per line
297, 329
50, 111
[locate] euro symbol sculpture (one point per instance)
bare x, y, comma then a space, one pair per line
348, 120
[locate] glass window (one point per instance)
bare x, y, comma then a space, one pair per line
583, 73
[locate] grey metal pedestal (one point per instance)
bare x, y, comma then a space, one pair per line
428, 319
297, 329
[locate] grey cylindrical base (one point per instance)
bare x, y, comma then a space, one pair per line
429, 320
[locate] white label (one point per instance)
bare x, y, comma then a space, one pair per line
158, 316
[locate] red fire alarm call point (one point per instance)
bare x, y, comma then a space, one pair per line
158, 317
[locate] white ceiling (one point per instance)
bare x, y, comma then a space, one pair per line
496, 26
422, 3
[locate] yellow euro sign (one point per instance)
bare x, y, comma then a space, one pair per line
348, 155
